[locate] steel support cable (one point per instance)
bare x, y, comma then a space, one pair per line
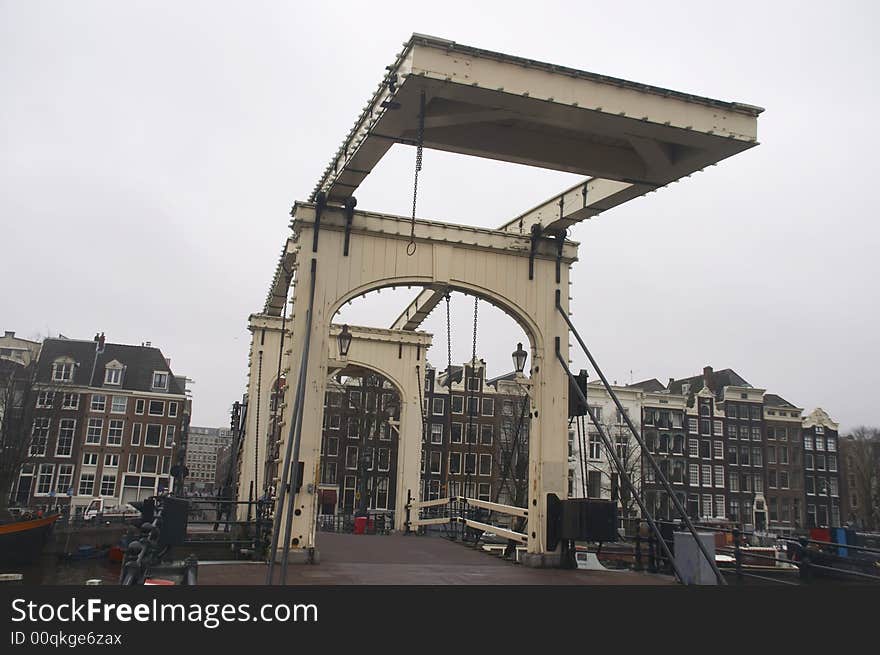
659, 473
291, 435
582, 444
619, 465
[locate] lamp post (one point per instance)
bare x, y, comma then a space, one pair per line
344, 341
519, 359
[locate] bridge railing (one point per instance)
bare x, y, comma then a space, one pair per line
468, 518
745, 555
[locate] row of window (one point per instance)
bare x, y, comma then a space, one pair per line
95, 435
475, 407
149, 463
48, 482
98, 403
431, 489
486, 432
433, 463
62, 371
820, 443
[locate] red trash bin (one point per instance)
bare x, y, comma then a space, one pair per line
360, 524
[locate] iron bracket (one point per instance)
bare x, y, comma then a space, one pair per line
350, 204
320, 204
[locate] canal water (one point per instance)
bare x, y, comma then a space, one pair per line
50, 570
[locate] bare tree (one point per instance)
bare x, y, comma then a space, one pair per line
17, 393
629, 454
514, 447
863, 459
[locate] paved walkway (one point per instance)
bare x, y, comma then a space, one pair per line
348, 559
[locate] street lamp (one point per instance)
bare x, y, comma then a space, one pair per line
344, 340
519, 358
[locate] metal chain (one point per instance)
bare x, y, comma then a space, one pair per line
448, 346
411, 247
474, 352
471, 409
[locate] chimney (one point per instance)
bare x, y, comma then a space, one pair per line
168, 362
671, 380
9, 334
101, 343
97, 336
707, 377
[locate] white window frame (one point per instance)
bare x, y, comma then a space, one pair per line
72, 428
115, 439
437, 407
150, 411
147, 432
62, 370
164, 376
90, 458
113, 375
93, 438
170, 434
44, 428
70, 405
39, 473
59, 490
436, 433
485, 457
113, 404
45, 399
105, 479
172, 409
111, 461
83, 477
98, 402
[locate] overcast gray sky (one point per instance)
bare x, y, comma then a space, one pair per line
150, 152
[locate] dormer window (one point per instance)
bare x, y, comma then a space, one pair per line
62, 370
113, 373
160, 380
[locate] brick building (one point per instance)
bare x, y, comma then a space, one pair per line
106, 421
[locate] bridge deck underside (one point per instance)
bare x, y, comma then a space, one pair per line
348, 559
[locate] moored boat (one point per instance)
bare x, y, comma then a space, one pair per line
22, 542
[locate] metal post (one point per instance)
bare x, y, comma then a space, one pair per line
285, 471
652, 558
804, 568
638, 554
737, 555
294, 461
408, 509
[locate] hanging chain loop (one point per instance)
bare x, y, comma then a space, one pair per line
411, 246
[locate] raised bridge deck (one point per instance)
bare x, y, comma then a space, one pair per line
348, 559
